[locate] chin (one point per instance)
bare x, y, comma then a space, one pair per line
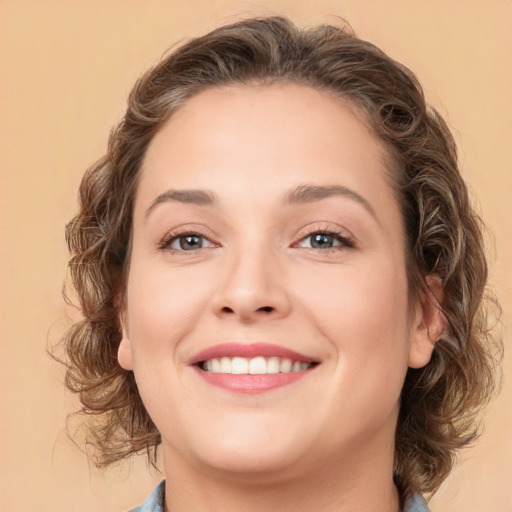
252, 466
250, 452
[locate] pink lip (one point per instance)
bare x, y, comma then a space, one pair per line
249, 351
251, 383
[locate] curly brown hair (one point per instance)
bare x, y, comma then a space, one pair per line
440, 402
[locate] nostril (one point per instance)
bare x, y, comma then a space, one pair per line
243, 312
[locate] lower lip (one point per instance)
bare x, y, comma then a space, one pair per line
251, 383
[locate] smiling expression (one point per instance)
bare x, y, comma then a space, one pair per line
267, 290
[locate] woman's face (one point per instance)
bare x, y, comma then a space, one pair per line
266, 314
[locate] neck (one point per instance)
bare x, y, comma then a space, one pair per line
362, 483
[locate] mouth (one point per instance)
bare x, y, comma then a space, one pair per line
259, 365
251, 368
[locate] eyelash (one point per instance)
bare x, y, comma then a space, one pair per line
171, 237
345, 241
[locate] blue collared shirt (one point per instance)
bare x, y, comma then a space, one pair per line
155, 502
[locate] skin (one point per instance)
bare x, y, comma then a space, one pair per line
318, 443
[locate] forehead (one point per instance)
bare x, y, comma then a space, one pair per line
279, 131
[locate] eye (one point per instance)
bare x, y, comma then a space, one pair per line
325, 240
187, 242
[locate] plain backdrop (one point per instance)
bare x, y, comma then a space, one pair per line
66, 70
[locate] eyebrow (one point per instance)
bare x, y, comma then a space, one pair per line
310, 193
302, 194
197, 197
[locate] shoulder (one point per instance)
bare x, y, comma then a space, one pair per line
154, 502
416, 504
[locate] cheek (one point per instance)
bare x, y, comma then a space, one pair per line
363, 311
163, 306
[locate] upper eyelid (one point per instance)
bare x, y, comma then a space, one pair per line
323, 227
188, 229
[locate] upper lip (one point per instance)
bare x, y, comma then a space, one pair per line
249, 351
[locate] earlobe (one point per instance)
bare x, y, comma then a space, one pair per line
124, 352
429, 324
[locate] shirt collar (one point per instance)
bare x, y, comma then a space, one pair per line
155, 502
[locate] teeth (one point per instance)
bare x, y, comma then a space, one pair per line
255, 366
273, 365
216, 365
239, 365
285, 366
225, 365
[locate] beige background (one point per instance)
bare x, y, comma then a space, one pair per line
67, 67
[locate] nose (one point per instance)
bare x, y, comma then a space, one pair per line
253, 288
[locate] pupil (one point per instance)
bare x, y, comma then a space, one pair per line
190, 242
322, 240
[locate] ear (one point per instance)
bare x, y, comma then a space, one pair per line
125, 352
429, 323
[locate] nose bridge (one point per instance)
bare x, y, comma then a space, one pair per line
253, 283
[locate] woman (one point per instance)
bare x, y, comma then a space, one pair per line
282, 279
